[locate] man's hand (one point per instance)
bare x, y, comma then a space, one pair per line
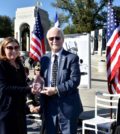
34, 109
49, 91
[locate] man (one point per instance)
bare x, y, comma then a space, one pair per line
60, 98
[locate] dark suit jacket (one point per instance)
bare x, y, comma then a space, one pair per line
68, 79
118, 114
13, 90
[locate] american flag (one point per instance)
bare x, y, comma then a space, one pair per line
113, 51
56, 20
37, 46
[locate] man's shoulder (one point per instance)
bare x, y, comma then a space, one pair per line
46, 55
69, 54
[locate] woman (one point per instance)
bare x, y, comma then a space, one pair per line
13, 89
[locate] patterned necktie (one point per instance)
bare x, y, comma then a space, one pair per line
54, 71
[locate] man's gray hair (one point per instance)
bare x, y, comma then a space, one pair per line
59, 29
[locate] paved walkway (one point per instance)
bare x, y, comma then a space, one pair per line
98, 84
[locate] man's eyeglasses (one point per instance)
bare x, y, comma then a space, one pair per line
11, 48
56, 38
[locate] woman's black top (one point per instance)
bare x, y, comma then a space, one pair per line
13, 91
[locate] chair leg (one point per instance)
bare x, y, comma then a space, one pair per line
83, 128
96, 131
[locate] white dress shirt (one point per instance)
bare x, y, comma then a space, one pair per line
51, 64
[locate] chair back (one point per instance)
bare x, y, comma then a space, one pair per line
106, 105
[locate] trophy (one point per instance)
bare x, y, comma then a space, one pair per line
38, 83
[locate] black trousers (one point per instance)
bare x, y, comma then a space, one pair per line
43, 131
117, 131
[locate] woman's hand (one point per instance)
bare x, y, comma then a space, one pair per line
35, 90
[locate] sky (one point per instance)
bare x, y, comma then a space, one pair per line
8, 7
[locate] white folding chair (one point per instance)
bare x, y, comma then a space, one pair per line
34, 118
105, 105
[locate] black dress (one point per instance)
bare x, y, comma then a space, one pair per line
13, 91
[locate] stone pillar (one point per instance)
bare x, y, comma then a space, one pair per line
100, 42
28, 43
92, 41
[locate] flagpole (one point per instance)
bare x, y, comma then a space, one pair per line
56, 19
38, 4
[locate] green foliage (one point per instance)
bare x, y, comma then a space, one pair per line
6, 28
70, 29
86, 15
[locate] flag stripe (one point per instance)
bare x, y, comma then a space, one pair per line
113, 63
36, 45
56, 20
110, 43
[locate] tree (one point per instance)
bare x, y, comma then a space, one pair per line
12, 26
86, 15
5, 27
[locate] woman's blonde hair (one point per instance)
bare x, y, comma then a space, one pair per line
3, 44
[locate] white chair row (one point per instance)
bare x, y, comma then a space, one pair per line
106, 106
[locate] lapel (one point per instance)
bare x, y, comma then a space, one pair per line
61, 65
46, 67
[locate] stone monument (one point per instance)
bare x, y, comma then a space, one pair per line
24, 24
